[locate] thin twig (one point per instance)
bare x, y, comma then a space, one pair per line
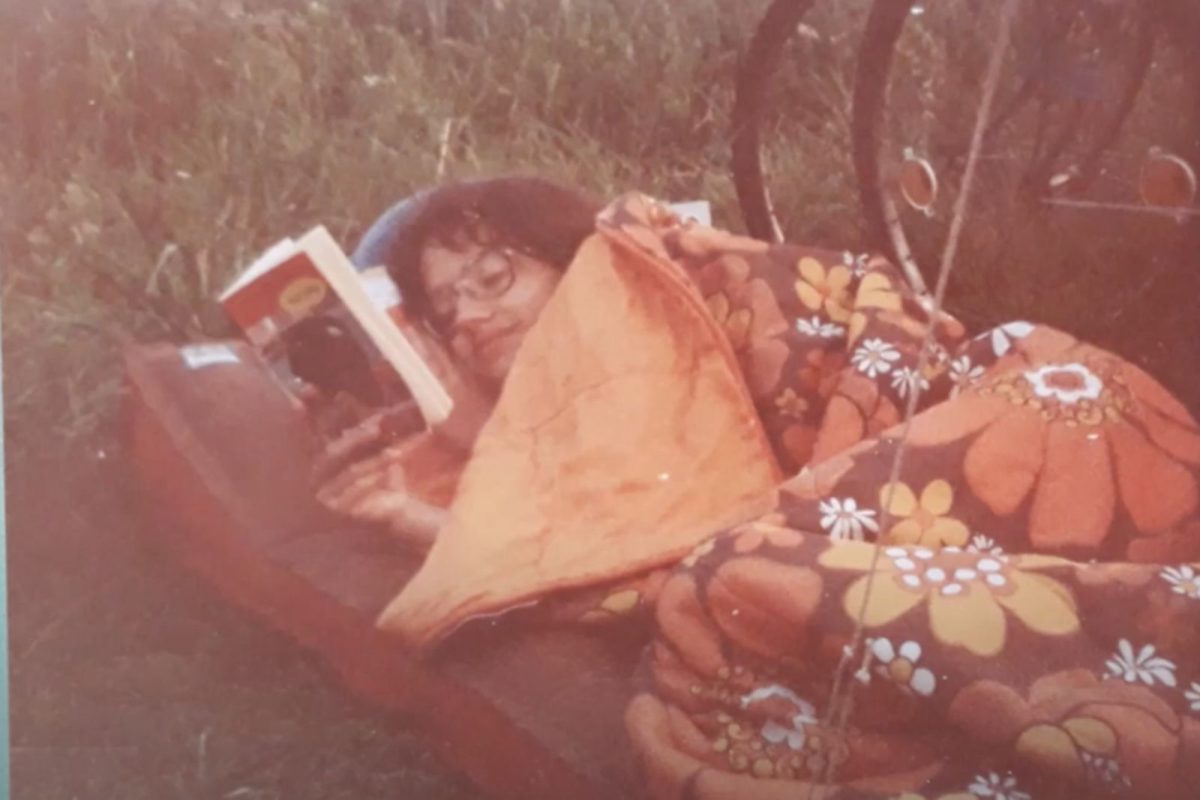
81, 604
1097, 205
842, 691
443, 148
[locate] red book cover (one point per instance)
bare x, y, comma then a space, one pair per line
312, 342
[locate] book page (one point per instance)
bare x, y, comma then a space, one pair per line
431, 396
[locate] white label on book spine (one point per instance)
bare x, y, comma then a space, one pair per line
696, 210
198, 356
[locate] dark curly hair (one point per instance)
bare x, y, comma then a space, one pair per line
536, 216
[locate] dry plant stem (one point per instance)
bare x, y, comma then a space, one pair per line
908, 264
443, 148
842, 692
1178, 214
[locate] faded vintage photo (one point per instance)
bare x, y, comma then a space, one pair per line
691, 400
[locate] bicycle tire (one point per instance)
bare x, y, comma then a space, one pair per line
761, 60
885, 23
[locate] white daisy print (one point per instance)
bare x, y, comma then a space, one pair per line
874, 357
1183, 579
823, 330
899, 664
1104, 770
845, 521
906, 380
1144, 666
963, 373
985, 545
1003, 337
1192, 695
994, 786
856, 263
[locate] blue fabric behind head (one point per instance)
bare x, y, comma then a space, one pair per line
376, 243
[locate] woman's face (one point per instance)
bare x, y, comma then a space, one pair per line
485, 298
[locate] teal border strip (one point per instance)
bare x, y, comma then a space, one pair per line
4, 729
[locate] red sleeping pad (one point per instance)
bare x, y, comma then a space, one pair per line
222, 460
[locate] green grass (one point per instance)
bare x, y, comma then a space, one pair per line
153, 147
133, 679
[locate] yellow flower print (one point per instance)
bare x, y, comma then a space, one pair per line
967, 593
875, 291
824, 290
621, 602
770, 529
790, 403
923, 521
735, 323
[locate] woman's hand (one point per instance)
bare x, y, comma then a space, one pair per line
471, 410
369, 436
376, 490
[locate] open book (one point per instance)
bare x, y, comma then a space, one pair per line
319, 322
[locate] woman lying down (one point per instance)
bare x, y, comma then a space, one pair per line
1026, 591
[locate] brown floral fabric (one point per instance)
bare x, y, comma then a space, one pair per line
985, 674
1031, 619
828, 341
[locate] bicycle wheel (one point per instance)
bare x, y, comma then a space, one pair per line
1069, 84
762, 59
1095, 99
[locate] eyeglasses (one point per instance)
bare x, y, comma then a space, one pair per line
485, 278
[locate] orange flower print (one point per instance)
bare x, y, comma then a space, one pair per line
798, 441
1082, 747
747, 311
791, 404
790, 727
822, 370
1074, 726
769, 529
1083, 436
735, 323
923, 521
824, 290
791, 742
967, 594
